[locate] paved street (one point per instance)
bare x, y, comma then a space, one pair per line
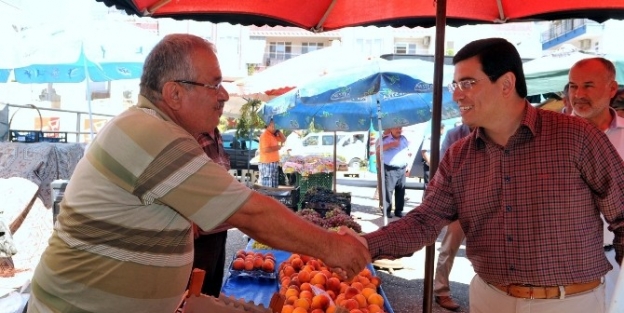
402, 286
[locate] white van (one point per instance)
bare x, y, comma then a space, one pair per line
351, 146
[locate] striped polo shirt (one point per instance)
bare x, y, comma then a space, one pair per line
123, 242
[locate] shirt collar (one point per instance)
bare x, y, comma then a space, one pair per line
616, 120
528, 125
144, 103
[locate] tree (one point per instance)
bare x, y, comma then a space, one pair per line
250, 119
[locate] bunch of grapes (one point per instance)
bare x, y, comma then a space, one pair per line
316, 219
318, 194
343, 220
334, 212
306, 212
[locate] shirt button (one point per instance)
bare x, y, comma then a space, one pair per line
509, 238
512, 267
507, 178
508, 208
506, 151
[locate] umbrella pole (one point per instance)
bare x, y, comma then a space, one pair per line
436, 121
87, 78
335, 163
382, 191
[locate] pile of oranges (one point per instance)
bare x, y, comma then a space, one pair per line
309, 286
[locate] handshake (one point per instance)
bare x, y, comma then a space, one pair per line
347, 264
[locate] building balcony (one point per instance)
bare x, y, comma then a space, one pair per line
564, 31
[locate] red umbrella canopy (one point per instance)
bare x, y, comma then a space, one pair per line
324, 15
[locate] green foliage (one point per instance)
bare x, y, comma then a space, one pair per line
250, 119
222, 124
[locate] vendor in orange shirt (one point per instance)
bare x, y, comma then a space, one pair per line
270, 143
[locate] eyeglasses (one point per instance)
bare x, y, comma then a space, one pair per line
216, 87
464, 85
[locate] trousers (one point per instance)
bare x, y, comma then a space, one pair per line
395, 182
210, 257
450, 245
485, 298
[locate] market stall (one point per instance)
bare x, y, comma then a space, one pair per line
260, 290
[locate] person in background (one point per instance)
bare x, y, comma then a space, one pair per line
528, 188
395, 161
453, 237
270, 143
617, 103
123, 240
210, 247
425, 151
565, 97
592, 87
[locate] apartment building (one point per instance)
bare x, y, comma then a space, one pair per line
584, 34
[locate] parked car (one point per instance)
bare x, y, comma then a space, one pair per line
240, 150
350, 146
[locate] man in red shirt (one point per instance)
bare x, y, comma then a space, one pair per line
527, 188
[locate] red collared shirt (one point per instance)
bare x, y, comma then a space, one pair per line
213, 147
530, 210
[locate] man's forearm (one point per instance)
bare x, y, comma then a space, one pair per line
269, 221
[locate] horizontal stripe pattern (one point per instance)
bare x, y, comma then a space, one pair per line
123, 238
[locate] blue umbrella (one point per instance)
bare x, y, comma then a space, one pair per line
350, 100
97, 52
81, 70
4, 75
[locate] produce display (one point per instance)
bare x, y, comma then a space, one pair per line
253, 264
323, 199
332, 220
311, 164
309, 286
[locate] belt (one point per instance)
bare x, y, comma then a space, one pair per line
550, 292
392, 167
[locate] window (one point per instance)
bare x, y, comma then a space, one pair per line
311, 141
369, 46
280, 50
404, 48
328, 140
310, 46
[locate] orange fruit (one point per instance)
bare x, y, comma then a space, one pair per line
376, 299
299, 310
374, 308
302, 303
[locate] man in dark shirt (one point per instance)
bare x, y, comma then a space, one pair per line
210, 246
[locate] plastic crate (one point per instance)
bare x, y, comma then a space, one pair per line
36, 136
344, 203
289, 196
313, 180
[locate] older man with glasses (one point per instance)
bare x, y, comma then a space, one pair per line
123, 240
528, 187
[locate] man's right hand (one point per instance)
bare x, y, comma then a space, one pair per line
348, 253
